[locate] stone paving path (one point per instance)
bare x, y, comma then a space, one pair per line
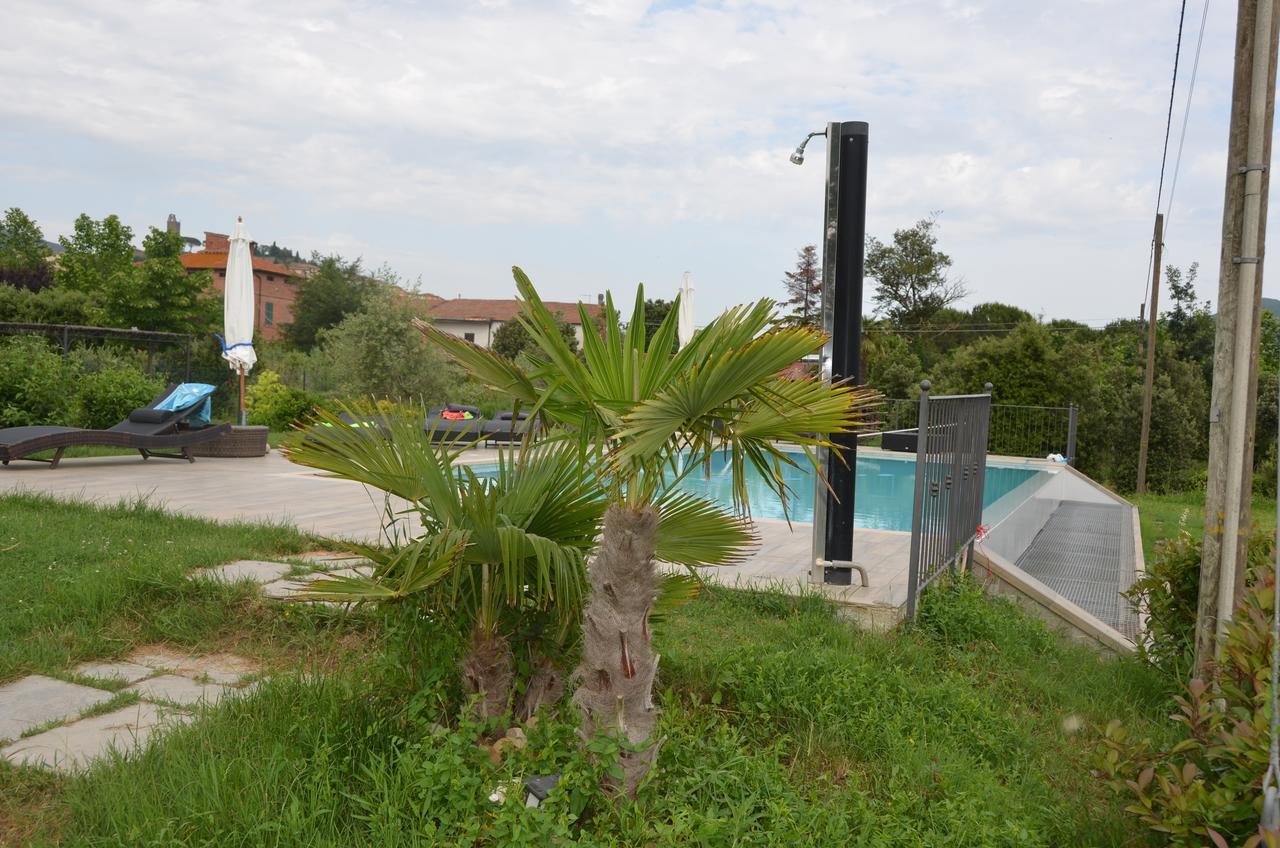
280, 580
172, 686
59, 724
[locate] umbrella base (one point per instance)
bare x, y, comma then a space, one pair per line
240, 442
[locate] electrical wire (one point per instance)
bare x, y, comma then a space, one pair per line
1186, 114
1164, 155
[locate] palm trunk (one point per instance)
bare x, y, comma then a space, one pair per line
546, 686
487, 672
615, 692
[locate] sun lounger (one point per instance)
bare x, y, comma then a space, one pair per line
507, 427
444, 429
149, 430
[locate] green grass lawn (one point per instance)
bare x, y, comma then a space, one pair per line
1162, 515
82, 581
783, 725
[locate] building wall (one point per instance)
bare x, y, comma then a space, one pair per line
482, 330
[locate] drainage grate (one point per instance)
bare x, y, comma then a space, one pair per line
1085, 553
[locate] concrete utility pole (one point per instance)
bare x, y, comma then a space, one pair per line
1148, 382
1228, 519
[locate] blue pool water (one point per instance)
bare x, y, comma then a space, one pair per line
885, 487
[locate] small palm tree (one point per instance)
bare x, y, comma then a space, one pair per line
645, 417
499, 555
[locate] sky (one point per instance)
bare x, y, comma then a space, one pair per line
602, 143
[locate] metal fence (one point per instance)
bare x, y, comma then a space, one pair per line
951, 464
1015, 430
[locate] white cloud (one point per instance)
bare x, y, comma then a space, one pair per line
1017, 119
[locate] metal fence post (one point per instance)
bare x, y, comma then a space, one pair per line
1071, 435
917, 512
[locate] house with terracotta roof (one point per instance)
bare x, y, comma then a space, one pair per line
476, 319
275, 287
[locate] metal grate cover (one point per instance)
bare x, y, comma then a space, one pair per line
1085, 553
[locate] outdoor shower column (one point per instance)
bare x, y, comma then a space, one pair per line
842, 269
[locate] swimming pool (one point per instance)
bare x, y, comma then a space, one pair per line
885, 487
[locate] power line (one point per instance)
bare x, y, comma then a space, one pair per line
1168, 126
1186, 114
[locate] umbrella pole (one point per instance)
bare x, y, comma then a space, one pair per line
242, 416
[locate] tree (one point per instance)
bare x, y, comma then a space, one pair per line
1189, 322
804, 288
911, 275
159, 294
511, 339
636, 410
96, 253
24, 256
375, 353
892, 368
333, 292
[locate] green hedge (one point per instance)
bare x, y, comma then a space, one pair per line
91, 388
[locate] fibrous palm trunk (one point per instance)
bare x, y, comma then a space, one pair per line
615, 679
546, 686
487, 672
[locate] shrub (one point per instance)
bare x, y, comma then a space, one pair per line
35, 383
107, 397
376, 352
1207, 786
270, 402
48, 306
1168, 593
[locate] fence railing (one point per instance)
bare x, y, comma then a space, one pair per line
1015, 430
951, 464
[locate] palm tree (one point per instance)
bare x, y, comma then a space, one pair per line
646, 417
498, 555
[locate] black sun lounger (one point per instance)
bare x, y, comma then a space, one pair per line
507, 427
463, 430
146, 430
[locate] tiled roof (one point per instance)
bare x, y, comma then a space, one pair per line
206, 260
478, 309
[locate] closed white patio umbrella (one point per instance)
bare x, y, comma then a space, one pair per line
684, 329
239, 309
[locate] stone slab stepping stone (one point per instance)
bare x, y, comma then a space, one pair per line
283, 589
332, 558
259, 571
218, 668
35, 700
129, 672
178, 690
71, 747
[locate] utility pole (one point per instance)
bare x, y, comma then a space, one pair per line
1228, 518
1148, 382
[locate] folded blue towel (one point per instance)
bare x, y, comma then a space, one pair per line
187, 394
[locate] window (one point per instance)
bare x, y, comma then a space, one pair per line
269, 313
471, 337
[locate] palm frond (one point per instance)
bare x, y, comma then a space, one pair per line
675, 590
395, 455
413, 569
693, 531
